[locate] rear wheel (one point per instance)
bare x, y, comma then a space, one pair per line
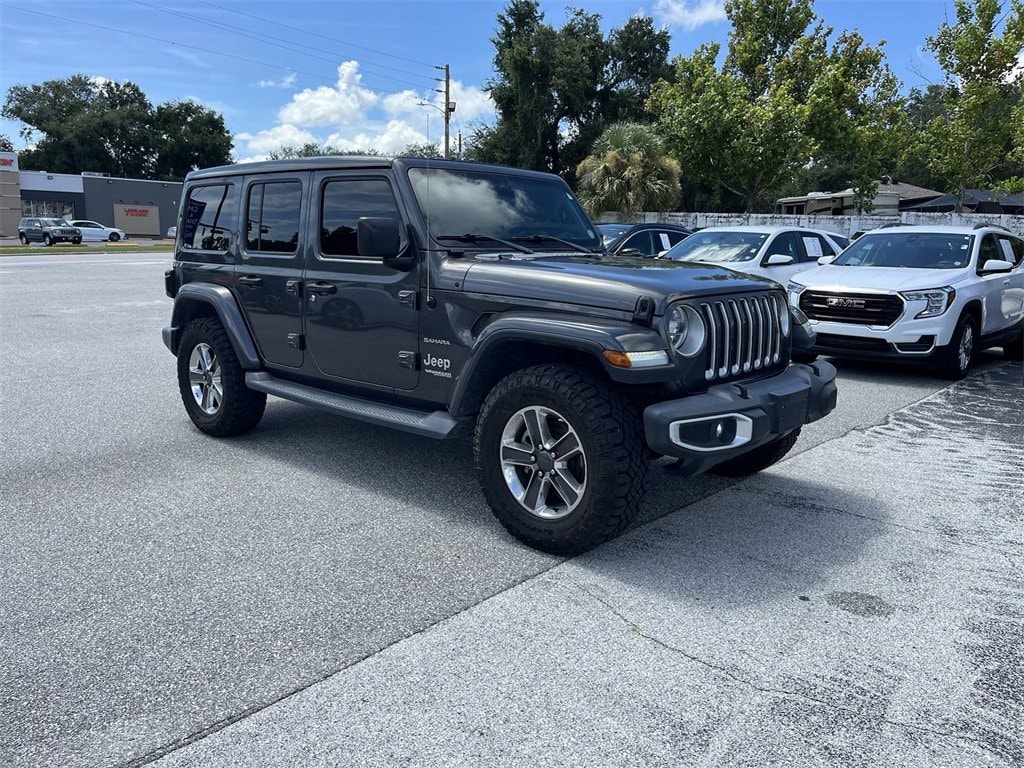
212, 382
561, 458
954, 360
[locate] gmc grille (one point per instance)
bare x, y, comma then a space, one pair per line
744, 335
855, 308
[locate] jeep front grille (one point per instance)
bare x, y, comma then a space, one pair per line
855, 308
744, 335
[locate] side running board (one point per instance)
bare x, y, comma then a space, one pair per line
436, 424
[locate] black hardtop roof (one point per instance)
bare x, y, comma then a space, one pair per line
348, 162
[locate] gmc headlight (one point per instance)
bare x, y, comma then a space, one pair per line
939, 300
795, 288
685, 330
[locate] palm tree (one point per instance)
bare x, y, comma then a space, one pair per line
628, 171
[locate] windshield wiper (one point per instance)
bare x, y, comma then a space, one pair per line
475, 237
540, 238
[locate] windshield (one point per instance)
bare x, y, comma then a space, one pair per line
504, 206
917, 250
718, 247
55, 223
612, 232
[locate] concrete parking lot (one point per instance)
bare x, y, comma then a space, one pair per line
323, 592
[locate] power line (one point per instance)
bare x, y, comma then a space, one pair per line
268, 39
316, 34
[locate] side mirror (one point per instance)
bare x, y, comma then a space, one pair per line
378, 237
778, 260
823, 260
996, 265
630, 252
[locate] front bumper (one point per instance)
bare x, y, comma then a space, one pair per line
751, 414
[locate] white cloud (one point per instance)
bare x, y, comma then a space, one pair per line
471, 103
1018, 71
345, 104
285, 82
689, 14
284, 135
395, 136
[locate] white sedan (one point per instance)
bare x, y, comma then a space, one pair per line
777, 253
96, 232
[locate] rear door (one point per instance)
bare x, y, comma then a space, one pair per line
268, 278
1011, 300
360, 317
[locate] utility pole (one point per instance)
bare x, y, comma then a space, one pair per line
449, 107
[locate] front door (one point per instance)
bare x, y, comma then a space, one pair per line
269, 272
361, 317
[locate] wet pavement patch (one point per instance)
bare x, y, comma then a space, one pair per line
860, 604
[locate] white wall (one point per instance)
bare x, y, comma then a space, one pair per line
843, 225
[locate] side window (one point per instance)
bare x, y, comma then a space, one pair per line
786, 245
672, 237
988, 250
272, 224
1011, 249
641, 241
209, 217
345, 201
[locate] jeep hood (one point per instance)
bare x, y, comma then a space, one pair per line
606, 282
894, 279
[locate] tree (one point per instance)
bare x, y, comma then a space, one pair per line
628, 172
784, 98
978, 129
313, 149
88, 124
556, 90
6, 145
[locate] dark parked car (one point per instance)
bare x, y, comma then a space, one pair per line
47, 231
446, 298
647, 240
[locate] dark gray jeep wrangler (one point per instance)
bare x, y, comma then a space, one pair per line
440, 298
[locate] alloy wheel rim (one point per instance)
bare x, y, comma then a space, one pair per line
204, 376
966, 347
543, 462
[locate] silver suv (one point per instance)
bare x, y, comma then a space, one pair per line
47, 231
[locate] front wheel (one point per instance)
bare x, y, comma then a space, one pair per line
23, 238
954, 360
561, 458
1015, 349
76, 241
47, 240
212, 382
114, 237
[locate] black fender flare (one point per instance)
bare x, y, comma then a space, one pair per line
591, 336
229, 314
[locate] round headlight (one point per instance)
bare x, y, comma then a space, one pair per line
784, 318
685, 330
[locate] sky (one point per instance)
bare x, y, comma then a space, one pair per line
350, 73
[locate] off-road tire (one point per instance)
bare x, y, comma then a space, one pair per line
949, 363
76, 241
610, 434
47, 240
1014, 350
758, 459
241, 408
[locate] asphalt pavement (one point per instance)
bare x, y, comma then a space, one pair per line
326, 592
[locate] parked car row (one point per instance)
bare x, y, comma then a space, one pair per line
32, 229
922, 294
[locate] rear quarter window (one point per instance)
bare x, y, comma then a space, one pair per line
210, 216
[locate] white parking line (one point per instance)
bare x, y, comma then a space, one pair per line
82, 262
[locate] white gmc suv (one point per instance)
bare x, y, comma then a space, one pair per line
932, 294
